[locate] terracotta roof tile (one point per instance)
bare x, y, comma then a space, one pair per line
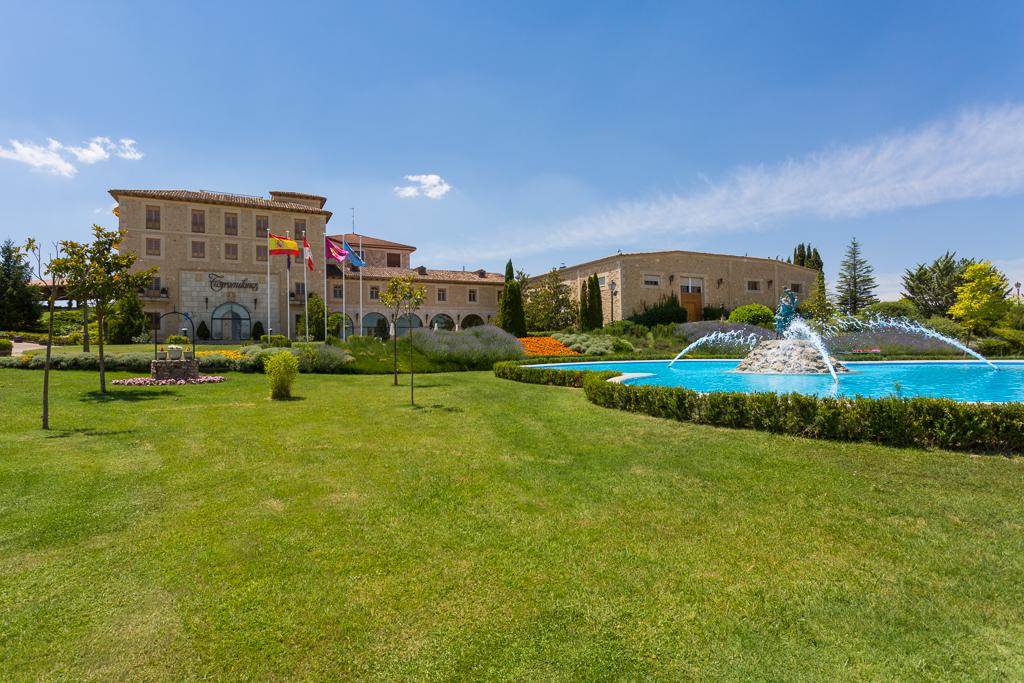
429, 275
204, 197
353, 241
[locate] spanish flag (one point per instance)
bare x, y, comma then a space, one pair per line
278, 245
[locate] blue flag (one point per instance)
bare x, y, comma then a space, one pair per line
353, 257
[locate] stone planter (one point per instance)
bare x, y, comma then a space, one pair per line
161, 355
174, 352
173, 369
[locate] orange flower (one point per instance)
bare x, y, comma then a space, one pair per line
545, 346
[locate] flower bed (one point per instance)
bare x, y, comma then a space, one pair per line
230, 354
545, 346
150, 382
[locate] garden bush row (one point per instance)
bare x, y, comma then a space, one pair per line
900, 422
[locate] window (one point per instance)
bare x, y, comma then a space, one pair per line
152, 246
153, 286
394, 260
152, 218
230, 251
600, 282
198, 220
374, 293
300, 228
262, 226
300, 289
338, 292
753, 285
795, 287
231, 224
198, 249
691, 285
472, 296
442, 294
261, 252
652, 281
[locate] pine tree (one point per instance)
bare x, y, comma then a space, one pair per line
584, 312
856, 286
19, 309
814, 260
800, 255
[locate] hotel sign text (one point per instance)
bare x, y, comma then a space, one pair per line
217, 283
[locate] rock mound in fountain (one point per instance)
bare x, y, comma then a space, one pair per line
787, 357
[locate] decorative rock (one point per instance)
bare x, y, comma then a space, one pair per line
173, 369
787, 357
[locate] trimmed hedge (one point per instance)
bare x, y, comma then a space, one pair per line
899, 422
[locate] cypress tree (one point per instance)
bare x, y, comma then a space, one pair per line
596, 307
584, 312
856, 285
800, 255
814, 260
510, 273
511, 315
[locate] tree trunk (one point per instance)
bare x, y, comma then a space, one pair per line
46, 369
99, 341
394, 343
412, 374
85, 327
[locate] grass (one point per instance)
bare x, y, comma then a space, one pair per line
134, 348
496, 531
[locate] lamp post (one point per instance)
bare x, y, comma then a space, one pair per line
611, 289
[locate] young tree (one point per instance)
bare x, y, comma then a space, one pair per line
316, 318
129, 320
981, 300
19, 300
595, 305
932, 287
548, 304
583, 314
511, 316
818, 304
97, 272
403, 297
57, 281
856, 286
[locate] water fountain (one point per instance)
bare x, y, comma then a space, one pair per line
730, 338
878, 322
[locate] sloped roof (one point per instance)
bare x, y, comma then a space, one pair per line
427, 274
353, 241
205, 197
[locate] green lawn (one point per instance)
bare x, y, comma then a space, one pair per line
498, 531
134, 348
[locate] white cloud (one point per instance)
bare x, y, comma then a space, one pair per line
45, 158
55, 157
429, 185
979, 154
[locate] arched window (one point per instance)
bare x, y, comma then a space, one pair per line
370, 321
231, 321
407, 323
472, 320
442, 321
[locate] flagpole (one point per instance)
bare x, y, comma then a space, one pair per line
269, 291
288, 293
305, 286
344, 302
360, 269
325, 285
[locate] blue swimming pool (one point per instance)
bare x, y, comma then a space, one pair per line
958, 380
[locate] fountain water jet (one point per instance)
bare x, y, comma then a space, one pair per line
880, 322
732, 338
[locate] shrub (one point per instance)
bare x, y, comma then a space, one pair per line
203, 332
994, 347
477, 347
694, 331
530, 375
753, 314
281, 369
622, 346
258, 331
715, 312
943, 325
277, 341
666, 310
1014, 318
6, 345
381, 330
587, 344
177, 339
623, 328
904, 308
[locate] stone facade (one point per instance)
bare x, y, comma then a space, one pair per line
698, 279
209, 248
173, 369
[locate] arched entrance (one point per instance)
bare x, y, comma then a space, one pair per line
370, 323
442, 321
231, 321
472, 320
407, 323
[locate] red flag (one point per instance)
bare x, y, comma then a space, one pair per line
307, 252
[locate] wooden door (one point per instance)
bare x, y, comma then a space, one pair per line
693, 304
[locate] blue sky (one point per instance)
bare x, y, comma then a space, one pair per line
557, 133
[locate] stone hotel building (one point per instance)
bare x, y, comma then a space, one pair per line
628, 281
211, 249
